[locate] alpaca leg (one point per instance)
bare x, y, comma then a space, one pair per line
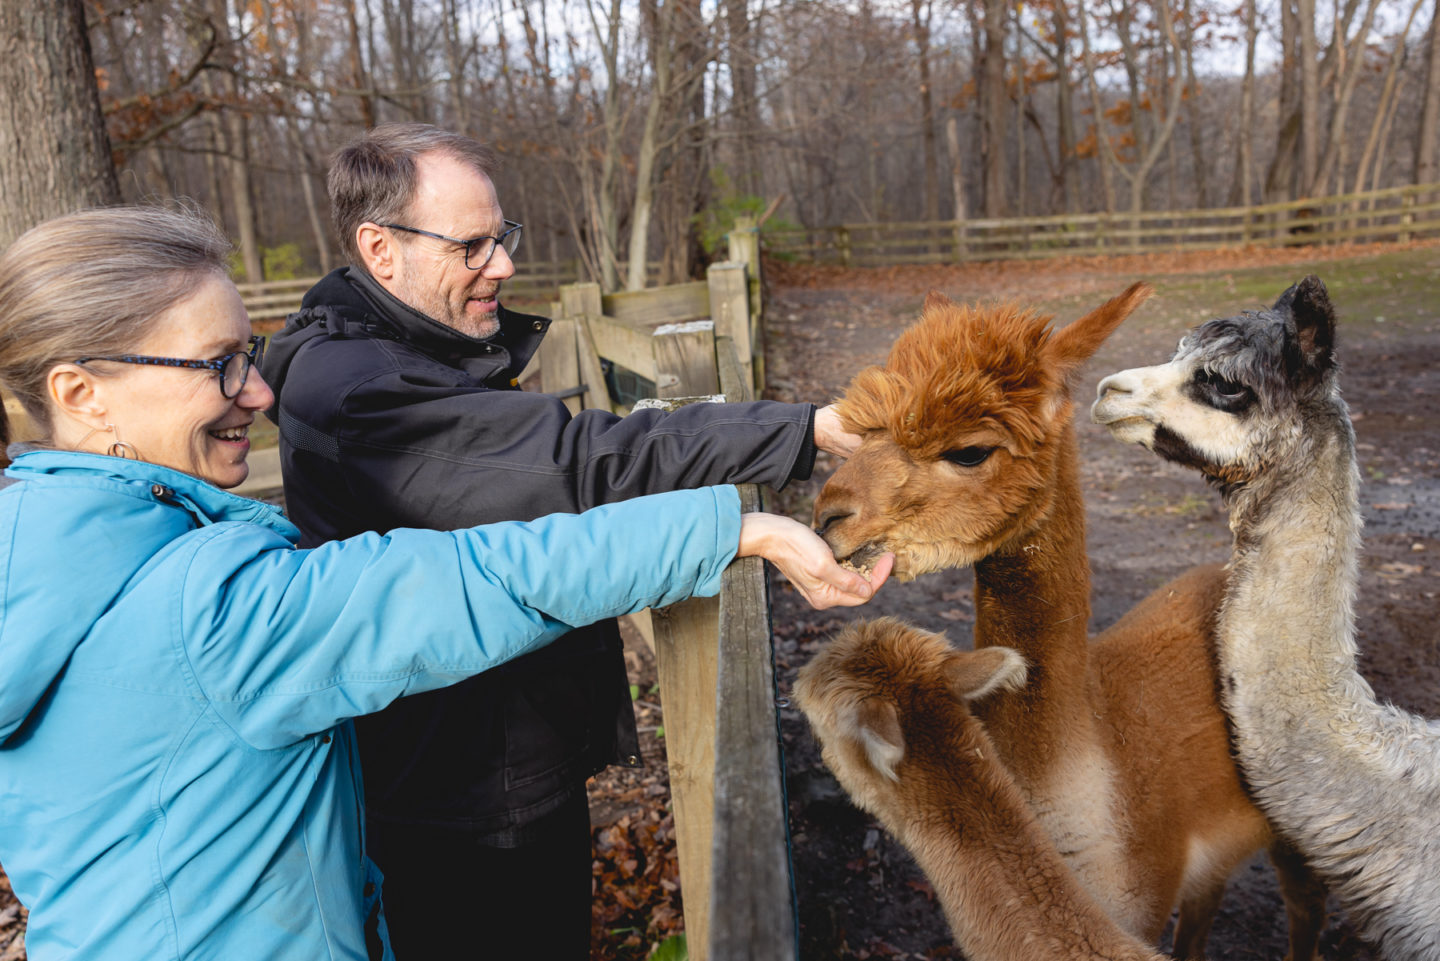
1192, 927
1304, 896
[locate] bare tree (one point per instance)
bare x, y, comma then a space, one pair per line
1309, 95
1240, 192
1427, 143
993, 107
1388, 98
920, 11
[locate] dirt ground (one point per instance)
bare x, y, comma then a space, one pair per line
860, 895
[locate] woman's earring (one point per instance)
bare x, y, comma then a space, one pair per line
108, 429
120, 448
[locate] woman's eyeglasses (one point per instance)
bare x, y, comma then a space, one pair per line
232, 370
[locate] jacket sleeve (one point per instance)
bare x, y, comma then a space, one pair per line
425, 453
286, 643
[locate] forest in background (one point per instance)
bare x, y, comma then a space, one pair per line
634, 130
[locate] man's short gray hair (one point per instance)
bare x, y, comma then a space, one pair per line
373, 178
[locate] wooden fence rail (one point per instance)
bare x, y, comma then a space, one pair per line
1395, 214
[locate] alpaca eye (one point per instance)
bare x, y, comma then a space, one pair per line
968, 456
1225, 393
1228, 388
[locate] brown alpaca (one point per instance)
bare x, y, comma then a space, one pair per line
889, 704
1120, 745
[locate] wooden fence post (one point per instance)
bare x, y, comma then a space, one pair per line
745, 247
755, 920
579, 303
685, 667
730, 310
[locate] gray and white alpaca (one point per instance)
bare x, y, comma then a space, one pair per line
1253, 402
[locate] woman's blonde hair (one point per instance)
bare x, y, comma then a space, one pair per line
91, 283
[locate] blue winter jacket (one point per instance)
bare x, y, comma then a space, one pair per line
178, 776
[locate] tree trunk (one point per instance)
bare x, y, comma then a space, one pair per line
745, 110
1240, 193
1104, 150
1192, 115
920, 25
957, 174
993, 110
1427, 144
608, 225
662, 17
1064, 106
56, 157
1309, 96
358, 77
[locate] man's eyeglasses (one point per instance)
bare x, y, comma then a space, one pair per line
232, 370
479, 250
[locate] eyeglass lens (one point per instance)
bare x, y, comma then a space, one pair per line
233, 377
479, 252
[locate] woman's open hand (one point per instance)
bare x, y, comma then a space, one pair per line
807, 563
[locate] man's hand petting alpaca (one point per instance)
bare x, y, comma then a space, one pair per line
831, 436
807, 563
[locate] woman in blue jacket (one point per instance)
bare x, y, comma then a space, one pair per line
177, 770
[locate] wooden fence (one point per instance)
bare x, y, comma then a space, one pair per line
702, 342
1396, 214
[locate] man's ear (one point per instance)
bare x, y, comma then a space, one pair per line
377, 250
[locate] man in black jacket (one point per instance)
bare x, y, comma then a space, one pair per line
397, 405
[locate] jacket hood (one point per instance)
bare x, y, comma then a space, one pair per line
349, 303
81, 526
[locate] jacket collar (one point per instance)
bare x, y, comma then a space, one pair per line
150, 482
387, 315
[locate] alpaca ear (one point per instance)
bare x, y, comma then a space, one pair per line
1073, 344
878, 725
971, 675
935, 301
1311, 322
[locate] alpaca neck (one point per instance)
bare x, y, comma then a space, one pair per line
1004, 888
1287, 644
1034, 595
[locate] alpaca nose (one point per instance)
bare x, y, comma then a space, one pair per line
1115, 383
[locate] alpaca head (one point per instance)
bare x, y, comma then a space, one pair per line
1240, 392
960, 432
883, 694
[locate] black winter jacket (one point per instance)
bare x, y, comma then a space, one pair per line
390, 419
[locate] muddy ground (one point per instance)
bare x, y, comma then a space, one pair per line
860, 895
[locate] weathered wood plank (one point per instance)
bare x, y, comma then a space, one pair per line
685, 666
730, 311
752, 914
559, 363
660, 305
685, 359
577, 301
625, 345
